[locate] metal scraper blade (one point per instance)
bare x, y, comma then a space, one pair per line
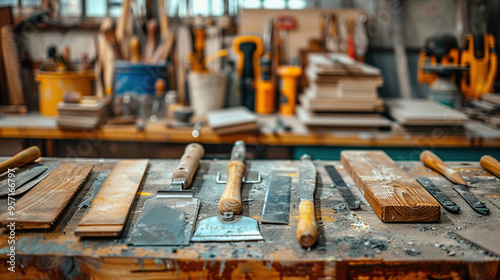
276, 208
166, 221
227, 228
22, 177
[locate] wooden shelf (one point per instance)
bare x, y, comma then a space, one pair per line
34, 126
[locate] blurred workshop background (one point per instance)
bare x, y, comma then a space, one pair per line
142, 78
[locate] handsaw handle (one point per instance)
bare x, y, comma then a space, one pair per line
491, 165
230, 200
434, 162
22, 158
307, 231
189, 163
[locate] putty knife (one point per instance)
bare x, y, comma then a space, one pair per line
230, 226
169, 218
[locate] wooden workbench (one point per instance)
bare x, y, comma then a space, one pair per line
17, 132
352, 245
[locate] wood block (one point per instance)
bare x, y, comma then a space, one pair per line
111, 206
41, 206
393, 195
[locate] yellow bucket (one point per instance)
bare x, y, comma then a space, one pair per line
53, 84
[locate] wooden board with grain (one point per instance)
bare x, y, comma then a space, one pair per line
111, 206
41, 206
393, 195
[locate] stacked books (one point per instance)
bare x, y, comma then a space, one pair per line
341, 88
232, 120
88, 114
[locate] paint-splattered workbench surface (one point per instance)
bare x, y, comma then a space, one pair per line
352, 245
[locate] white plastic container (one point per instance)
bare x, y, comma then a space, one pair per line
207, 92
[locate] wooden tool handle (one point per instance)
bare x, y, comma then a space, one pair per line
151, 43
230, 200
163, 18
491, 164
110, 37
189, 163
307, 231
160, 88
134, 49
435, 163
22, 158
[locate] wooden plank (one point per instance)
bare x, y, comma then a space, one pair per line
393, 195
111, 206
44, 203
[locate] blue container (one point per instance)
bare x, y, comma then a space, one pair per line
138, 78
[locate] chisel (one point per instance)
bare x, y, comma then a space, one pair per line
436, 164
307, 230
460, 186
22, 158
230, 200
491, 165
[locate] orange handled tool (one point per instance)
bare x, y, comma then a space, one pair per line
288, 90
230, 200
248, 48
491, 165
307, 230
434, 162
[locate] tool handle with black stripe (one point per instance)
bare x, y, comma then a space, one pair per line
307, 230
22, 158
230, 200
491, 165
434, 162
189, 163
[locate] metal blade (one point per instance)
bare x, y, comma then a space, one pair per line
51, 166
471, 199
94, 189
166, 221
241, 228
276, 208
251, 177
21, 178
440, 196
352, 202
239, 151
307, 178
